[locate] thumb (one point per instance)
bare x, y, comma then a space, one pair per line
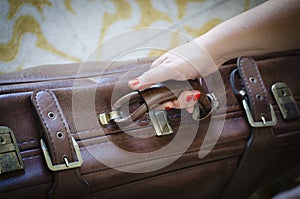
152, 76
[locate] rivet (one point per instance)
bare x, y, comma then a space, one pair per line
51, 115
259, 97
60, 135
252, 79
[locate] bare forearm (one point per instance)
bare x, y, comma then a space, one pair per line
272, 26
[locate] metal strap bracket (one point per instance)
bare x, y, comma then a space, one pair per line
160, 122
105, 118
285, 100
10, 157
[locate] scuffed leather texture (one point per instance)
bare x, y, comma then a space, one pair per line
169, 91
256, 91
156, 95
61, 147
57, 136
187, 177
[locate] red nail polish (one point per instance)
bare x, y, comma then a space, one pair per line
134, 82
167, 108
189, 98
197, 96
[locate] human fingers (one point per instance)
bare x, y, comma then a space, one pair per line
187, 100
152, 76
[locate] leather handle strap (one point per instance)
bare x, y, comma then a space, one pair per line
57, 136
158, 94
169, 91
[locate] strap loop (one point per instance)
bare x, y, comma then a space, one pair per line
152, 97
61, 152
253, 93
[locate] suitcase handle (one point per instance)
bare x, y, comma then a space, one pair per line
151, 97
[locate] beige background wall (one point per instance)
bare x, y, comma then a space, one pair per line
37, 32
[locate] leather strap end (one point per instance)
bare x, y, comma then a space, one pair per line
257, 94
56, 132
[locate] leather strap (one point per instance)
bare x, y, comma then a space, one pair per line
158, 94
57, 135
170, 90
257, 94
260, 148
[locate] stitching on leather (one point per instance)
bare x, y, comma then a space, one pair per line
246, 84
28, 142
124, 138
61, 119
196, 150
97, 129
78, 132
266, 99
42, 117
170, 171
131, 138
55, 185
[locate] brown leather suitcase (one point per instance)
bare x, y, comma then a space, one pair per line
52, 142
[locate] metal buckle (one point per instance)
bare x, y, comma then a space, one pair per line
10, 157
67, 165
160, 122
285, 100
105, 118
214, 105
263, 123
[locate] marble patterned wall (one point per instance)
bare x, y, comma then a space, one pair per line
37, 32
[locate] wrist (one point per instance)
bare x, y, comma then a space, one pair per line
216, 49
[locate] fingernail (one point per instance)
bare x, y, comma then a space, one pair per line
167, 108
189, 98
134, 82
196, 97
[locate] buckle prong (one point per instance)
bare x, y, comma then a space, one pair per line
66, 161
67, 165
263, 120
263, 123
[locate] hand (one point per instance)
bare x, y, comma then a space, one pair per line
187, 100
182, 63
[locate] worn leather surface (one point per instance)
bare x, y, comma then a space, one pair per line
257, 156
257, 94
152, 97
187, 177
57, 136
